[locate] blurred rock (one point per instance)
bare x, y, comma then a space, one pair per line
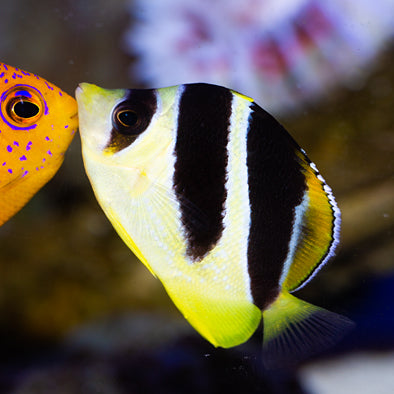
358, 373
186, 365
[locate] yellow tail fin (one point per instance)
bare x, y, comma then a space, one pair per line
295, 330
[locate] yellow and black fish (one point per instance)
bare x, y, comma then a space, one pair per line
37, 124
219, 202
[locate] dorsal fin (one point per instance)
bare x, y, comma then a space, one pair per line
316, 229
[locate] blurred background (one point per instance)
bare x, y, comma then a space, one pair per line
79, 313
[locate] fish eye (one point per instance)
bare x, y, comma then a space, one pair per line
21, 106
25, 109
130, 118
127, 118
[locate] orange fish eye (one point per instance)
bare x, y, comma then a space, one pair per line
22, 106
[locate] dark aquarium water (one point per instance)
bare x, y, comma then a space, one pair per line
80, 314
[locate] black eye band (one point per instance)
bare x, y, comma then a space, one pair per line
131, 117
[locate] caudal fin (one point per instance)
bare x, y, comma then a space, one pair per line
295, 330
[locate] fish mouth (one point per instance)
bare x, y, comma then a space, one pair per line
78, 90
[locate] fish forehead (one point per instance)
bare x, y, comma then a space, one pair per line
11, 76
58, 106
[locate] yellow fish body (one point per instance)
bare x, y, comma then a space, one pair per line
218, 201
37, 124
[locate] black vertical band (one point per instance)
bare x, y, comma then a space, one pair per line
276, 187
200, 167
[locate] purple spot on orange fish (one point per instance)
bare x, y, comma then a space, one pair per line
60, 93
48, 86
44, 159
25, 73
25, 173
24, 93
6, 81
28, 146
9, 148
66, 126
16, 143
5, 66
4, 163
10, 171
22, 158
49, 153
2, 75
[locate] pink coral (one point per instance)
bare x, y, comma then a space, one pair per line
281, 52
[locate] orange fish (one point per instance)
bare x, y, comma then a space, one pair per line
38, 122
